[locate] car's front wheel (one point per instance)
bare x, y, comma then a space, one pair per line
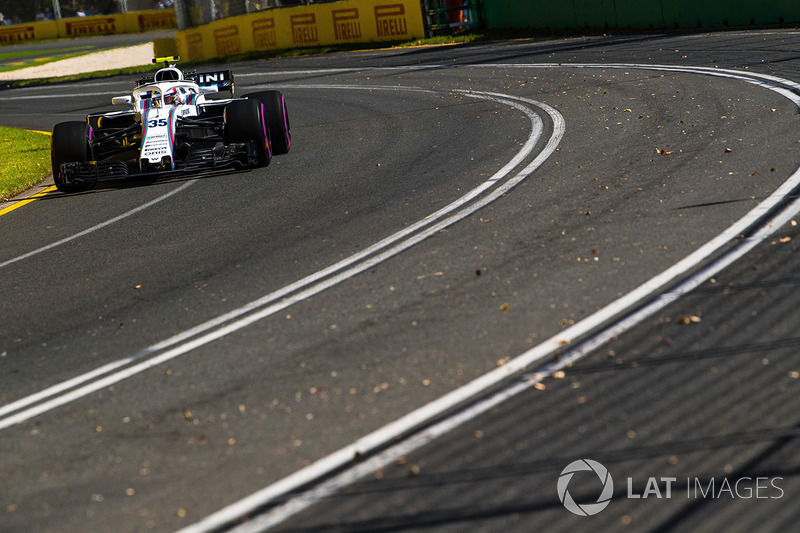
277, 119
244, 123
69, 144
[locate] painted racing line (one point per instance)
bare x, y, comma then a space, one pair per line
87, 231
762, 221
16, 204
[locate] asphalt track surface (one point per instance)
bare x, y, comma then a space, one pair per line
238, 362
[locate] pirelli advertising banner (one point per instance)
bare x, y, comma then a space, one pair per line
85, 26
156, 19
350, 21
133, 22
35, 31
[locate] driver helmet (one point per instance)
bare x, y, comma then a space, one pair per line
172, 97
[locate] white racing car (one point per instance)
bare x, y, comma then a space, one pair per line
171, 127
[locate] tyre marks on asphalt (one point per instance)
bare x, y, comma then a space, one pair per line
273, 504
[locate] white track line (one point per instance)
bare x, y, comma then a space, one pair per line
766, 81
362, 469
259, 309
437, 408
389, 432
97, 227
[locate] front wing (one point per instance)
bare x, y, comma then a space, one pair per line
232, 156
115, 143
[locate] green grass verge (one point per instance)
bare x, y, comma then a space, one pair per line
24, 160
20, 60
28, 53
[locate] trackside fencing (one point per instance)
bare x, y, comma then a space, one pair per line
444, 16
638, 14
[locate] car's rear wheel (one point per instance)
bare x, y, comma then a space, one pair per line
69, 144
244, 123
277, 119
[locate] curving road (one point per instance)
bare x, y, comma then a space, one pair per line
450, 226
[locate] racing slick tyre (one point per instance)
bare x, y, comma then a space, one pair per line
244, 122
277, 119
69, 144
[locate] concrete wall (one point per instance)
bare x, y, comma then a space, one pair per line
637, 14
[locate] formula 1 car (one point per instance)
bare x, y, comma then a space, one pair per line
171, 127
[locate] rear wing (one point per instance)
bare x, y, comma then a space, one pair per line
212, 82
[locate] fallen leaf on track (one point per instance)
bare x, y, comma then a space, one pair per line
688, 319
